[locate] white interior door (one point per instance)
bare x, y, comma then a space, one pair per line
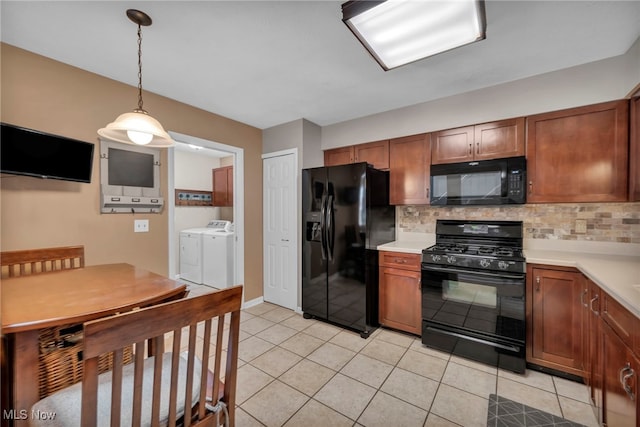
280, 225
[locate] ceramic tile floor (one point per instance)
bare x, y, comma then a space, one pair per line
298, 372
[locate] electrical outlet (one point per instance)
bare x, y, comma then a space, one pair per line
141, 225
581, 226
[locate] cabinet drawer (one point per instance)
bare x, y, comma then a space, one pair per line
400, 260
621, 321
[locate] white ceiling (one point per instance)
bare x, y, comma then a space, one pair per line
265, 63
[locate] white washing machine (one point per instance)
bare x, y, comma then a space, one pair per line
217, 255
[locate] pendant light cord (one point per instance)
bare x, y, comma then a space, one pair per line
140, 68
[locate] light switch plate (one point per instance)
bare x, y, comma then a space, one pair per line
141, 225
581, 226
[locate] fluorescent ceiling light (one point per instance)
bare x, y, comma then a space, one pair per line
397, 32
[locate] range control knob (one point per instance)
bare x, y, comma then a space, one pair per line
451, 259
503, 265
435, 258
485, 263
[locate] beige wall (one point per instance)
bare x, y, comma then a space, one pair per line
49, 96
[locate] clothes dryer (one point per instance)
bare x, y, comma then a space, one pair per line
191, 254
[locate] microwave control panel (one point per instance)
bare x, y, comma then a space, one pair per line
516, 187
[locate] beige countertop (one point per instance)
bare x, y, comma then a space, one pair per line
405, 246
614, 267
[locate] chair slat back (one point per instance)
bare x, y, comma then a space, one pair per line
189, 320
37, 261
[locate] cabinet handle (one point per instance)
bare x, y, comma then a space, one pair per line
537, 283
530, 187
582, 298
477, 148
427, 193
470, 145
594, 299
623, 380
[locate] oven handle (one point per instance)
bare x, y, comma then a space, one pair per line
481, 273
467, 337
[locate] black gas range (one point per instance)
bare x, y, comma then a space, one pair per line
473, 292
482, 245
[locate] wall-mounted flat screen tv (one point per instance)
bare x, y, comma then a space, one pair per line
33, 153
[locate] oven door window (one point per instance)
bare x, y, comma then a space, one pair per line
469, 293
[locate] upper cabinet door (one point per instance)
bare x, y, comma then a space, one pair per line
409, 167
338, 156
452, 145
374, 153
504, 138
495, 140
634, 152
223, 186
579, 154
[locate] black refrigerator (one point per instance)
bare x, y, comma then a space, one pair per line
345, 216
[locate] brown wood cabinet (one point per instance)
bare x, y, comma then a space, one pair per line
634, 151
339, 156
409, 166
557, 334
223, 186
504, 138
614, 342
620, 391
375, 153
400, 294
579, 154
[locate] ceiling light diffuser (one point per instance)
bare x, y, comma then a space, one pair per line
397, 32
137, 127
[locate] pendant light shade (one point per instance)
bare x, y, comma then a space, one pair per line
137, 127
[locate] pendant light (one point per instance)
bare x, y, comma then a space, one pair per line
137, 127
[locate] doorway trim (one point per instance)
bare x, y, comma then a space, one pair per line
297, 208
238, 200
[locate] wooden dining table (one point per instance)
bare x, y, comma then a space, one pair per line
31, 303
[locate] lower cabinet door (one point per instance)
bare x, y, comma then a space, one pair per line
620, 391
400, 299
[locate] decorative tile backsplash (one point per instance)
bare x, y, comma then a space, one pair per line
606, 222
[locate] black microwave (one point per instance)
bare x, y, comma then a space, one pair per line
486, 182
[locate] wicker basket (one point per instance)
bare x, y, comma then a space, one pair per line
61, 358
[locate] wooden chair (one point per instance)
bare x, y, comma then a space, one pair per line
36, 261
171, 388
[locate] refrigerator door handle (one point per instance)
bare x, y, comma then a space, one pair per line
323, 226
331, 228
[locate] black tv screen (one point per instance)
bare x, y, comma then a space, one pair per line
130, 168
33, 153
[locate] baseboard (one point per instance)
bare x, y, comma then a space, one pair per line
253, 302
